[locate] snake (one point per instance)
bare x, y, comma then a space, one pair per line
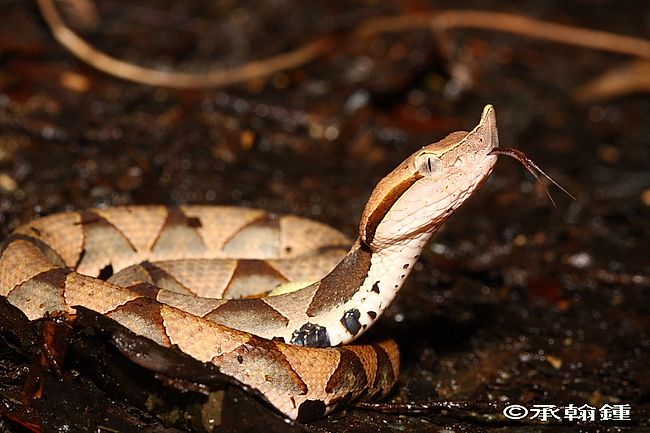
269, 300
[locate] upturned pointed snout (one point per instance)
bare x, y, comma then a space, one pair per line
487, 129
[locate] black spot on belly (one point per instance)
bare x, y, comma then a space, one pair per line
240, 359
375, 287
350, 320
106, 272
310, 410
372, 315
311, 335
406, 266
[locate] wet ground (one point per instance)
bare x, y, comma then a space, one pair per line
514, 301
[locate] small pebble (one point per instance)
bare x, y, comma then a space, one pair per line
520, 240
608, 154
555, 362
645, 197
7, 183
580, 260
75, 82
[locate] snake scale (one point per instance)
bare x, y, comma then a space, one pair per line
192, 277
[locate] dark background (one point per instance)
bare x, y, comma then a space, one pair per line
514, 300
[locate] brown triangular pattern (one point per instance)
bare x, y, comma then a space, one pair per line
203, 277
140, 224
259, 239
145, 289
61, 232
164, 279
218, 224
179, 234
343, 282
278, 369
349, 373
99, 250
253, 277
253, 315
142, 316
368, 357
301, 236
41, 294
314, 370
385, 372
25, 261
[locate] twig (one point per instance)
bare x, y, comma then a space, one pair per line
510, 23
465, 408
477, 412
632, 77
437, 21
213, 78
621, 278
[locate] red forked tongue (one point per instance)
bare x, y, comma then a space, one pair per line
530, 166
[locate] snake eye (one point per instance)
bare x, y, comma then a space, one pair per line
427, 164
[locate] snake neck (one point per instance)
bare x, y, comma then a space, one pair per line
384, 271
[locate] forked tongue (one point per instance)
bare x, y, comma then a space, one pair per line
530, 166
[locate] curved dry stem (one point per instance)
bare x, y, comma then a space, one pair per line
155, 77
510, 23
437, 21
633, 77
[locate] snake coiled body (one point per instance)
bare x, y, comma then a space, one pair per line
192, 276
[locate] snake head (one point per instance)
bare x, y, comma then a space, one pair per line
425, 189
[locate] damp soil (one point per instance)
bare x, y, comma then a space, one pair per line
514, 301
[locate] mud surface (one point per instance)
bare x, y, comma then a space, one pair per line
514, 300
